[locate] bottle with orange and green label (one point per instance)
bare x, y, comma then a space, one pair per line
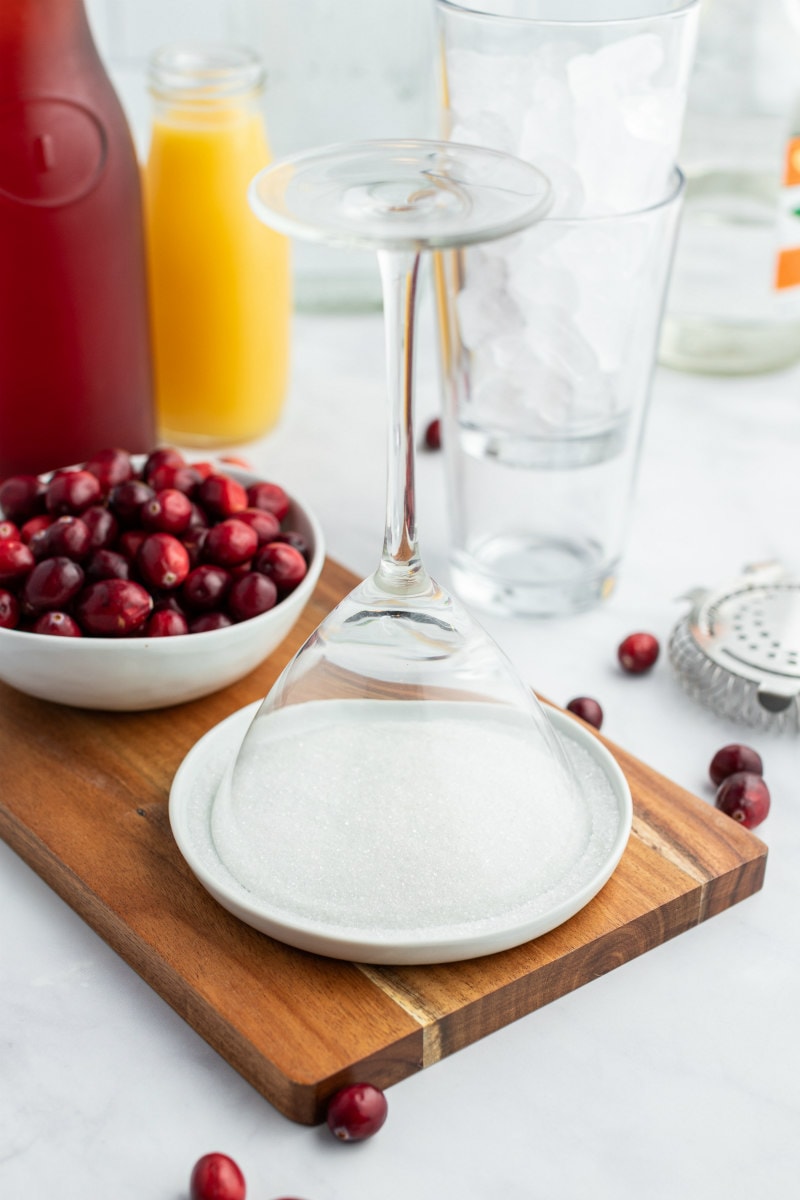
219, 279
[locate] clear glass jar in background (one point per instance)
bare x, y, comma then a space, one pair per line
335, 72
220, 297
734, 301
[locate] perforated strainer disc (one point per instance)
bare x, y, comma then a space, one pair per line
738, 649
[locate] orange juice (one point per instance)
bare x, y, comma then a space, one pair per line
219, 279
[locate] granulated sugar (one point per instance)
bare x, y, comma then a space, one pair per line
394, 816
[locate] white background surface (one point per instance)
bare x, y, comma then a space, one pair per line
675, 1075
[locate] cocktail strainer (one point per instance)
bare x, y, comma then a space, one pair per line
738, 649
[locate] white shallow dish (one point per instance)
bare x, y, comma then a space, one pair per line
136, 673
190, 806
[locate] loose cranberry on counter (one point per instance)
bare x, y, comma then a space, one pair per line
284, 565
732, 759
638, 652
745, 797
357, 1112
587, 709
433, 434
269, 496
216, 1177
113, 608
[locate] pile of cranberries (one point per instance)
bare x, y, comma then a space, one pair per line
105, 550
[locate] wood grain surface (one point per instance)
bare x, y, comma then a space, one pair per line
83, 800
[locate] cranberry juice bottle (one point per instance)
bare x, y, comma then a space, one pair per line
75, 361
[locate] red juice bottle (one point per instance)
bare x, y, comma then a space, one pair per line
75, 357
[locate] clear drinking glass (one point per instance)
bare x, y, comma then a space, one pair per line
399, 773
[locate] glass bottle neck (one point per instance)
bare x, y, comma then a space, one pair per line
197, 78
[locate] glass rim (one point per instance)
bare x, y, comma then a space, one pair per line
204, 71
676, 184
465, 9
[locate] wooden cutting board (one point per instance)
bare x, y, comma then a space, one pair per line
83, 799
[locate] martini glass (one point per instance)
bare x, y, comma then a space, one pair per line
399, 778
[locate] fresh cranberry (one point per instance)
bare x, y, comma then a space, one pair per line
33, 526
194, 541
266, 524
587, 709
164, 456
102, 525
357, 1112
107, 564
51, 585
9, 532
9, 610
293, 538
126, 499
110, 467
283, 564
230, 543
197, 518
130, 543
216, 1177
433, 434
208, 621
182, 478
170, 511
58, 624
638, 652
67, 536
163, 560
113, 608
205, 588
251, 595
745, 797
21, 497
70, 492
269, 496
732, 759
222, 496
166, 623
16, 560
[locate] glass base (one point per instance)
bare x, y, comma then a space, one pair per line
522, 575
707, 347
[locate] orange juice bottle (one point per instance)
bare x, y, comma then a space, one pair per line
219, 280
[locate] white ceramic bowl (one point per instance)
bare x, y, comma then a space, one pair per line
131, 674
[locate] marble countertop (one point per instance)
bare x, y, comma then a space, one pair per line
676, 1075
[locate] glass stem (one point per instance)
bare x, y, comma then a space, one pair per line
401, 570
